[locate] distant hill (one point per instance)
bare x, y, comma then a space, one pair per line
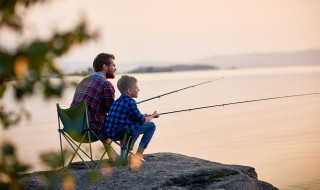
307, 57
153, 69
250, 60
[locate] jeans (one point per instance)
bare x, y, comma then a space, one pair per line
147, 130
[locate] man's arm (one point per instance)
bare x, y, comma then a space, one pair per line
109, 95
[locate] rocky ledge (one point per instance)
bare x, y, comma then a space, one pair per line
160, 171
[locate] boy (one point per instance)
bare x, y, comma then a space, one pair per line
125, 113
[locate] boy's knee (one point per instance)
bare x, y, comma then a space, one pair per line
152, 126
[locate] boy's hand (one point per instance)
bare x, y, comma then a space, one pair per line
155, 114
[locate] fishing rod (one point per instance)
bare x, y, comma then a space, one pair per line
159, 96
241, 102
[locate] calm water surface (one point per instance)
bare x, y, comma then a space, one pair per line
279, 138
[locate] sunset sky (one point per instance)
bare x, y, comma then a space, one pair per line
179, 30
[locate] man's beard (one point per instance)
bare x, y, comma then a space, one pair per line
110, 75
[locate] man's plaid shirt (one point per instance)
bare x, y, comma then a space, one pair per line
123, 113
99, 94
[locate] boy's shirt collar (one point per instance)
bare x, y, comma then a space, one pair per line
126, 95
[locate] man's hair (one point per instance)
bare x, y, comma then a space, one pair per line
126, 82
101, 59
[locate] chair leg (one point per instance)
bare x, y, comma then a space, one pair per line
90, 144
121, 146
128, 146
104, 153
79, 148
113, 151
76, 152
123, 158
61, 149
107, 147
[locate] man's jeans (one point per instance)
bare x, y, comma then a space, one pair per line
147, 130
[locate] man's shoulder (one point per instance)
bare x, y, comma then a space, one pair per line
99, 80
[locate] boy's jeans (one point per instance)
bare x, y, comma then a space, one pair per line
147, 130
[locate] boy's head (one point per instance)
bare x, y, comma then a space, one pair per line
128, 85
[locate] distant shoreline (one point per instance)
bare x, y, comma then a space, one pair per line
238, 61
173, 68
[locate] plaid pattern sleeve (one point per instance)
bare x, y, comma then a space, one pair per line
99, 94
123, 112
108, 95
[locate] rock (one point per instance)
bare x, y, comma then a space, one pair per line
160, 171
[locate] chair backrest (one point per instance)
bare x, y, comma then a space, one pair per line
75, 122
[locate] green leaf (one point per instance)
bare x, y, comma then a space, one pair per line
8, 149
2, 89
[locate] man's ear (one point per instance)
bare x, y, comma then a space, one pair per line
104, 67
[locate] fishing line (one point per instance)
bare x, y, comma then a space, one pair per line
241, 102
159, 96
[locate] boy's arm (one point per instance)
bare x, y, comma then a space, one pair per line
134, 114
150, 117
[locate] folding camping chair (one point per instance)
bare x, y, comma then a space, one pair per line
76, 128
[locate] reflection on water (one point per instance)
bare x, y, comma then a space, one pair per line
279, 138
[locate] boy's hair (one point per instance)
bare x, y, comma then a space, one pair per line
101, 59
126, 82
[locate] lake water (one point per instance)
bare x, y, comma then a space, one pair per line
279, 138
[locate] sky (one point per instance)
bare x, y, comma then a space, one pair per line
179, 31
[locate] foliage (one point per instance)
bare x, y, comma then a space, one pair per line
52, 178
10, 167
31, 64
53, 159
65, 177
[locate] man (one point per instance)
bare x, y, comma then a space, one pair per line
98, 92
125, 113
